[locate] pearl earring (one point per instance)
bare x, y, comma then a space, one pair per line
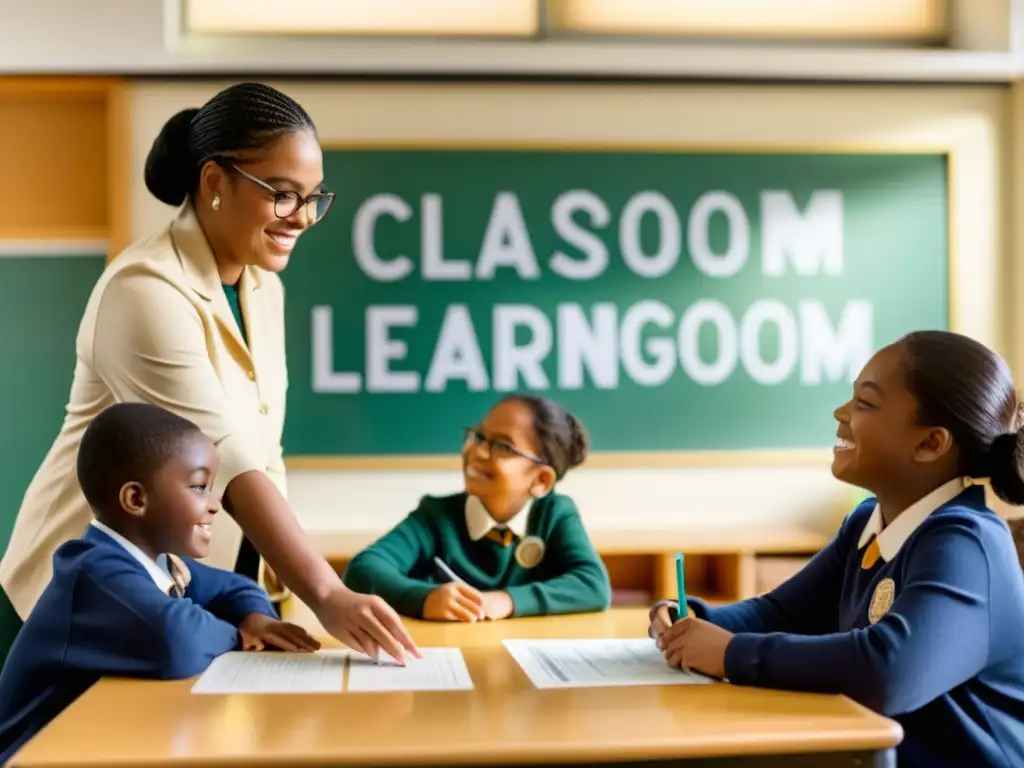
216, 203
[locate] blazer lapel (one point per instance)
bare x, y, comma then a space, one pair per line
200, 268
249, 297
229, 329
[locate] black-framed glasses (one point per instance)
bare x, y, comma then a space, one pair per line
286, 204
498, 449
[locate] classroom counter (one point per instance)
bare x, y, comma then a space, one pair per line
503, 721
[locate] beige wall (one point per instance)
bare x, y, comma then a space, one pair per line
969, 121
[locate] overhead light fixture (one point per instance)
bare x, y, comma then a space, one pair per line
472, 18
851, 19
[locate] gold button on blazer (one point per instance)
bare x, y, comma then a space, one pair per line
158, 329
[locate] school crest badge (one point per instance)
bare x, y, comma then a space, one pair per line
530, 552
881, 600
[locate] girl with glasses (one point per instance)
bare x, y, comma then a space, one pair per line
508, 544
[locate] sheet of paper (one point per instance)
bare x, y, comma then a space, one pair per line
274, 672
440, 669
596, 663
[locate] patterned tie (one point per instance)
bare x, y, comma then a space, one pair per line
871, 554
180, 575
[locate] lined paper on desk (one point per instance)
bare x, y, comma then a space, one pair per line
440, 669
273, 672
596, 663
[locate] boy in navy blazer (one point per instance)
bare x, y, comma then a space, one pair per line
127, 599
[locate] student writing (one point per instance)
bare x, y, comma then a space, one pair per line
515, 546
916, 607
126, 599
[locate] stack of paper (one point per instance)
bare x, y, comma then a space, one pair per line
548, 664
596, 663
240, 672
440, 669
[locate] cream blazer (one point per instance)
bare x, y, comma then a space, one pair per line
158, 329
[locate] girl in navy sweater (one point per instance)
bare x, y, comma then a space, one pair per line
916, 607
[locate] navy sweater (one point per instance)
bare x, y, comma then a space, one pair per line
946, 660
102, 614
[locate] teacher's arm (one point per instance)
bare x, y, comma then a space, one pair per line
150, 346
278, 474
276, 469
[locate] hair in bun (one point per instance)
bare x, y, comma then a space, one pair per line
243, 117
966, 388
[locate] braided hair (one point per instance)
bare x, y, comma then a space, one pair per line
242, 117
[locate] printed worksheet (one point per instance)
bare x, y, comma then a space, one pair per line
440, 669
596, 663
274, 672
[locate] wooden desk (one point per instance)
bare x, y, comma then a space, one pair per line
503, 721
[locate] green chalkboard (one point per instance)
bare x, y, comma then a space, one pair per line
42, 299
675, 301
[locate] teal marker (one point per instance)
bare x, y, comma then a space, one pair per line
681, 587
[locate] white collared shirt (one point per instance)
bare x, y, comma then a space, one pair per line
479, 521
158, 570
891, 537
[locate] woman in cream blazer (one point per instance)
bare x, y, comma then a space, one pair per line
192, 320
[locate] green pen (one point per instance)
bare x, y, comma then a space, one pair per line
680, 588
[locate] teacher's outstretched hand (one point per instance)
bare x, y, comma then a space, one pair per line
191, 319
363, 622
368, 624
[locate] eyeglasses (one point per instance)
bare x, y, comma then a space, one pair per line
498, 449
286, 203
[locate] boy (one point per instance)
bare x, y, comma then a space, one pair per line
125, 599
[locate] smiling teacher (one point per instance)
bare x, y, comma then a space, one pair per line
192, 319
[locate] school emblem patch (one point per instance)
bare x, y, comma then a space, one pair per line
530, 552
881, 600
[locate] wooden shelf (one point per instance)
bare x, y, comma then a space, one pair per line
64, 151
722, 565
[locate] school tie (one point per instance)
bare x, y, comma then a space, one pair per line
871, 554
500, 536
180, 576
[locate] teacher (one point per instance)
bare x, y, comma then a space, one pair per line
192, 319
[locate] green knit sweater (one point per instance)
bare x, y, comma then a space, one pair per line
570, 578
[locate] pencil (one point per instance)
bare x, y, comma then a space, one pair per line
680, 588
452, 576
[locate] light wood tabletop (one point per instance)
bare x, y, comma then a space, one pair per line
504, 720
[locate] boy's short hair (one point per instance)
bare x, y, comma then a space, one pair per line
126, 442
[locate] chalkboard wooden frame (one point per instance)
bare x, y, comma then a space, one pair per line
648, 459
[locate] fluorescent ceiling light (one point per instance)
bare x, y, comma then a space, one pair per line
362, 17
753, 18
